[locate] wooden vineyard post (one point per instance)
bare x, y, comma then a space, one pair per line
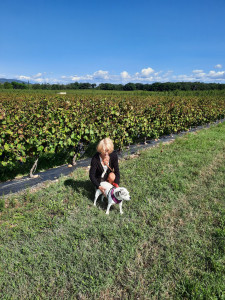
33, 169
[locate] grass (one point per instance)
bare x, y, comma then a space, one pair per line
169, 244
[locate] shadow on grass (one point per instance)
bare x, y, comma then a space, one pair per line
87, 190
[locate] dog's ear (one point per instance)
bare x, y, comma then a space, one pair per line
122, 191
118, 194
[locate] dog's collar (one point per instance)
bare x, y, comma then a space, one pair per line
117, 201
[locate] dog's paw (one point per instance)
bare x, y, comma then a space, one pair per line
121, 212
107, 212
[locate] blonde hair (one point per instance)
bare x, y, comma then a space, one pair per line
104, 144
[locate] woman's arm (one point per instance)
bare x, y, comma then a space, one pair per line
115, 165
92, 172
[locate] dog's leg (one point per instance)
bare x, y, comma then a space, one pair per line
108, 208
120, 206
97, 193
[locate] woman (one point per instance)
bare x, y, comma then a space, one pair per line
104, 165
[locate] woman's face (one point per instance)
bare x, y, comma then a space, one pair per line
105, 153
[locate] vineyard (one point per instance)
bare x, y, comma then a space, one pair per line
37, 124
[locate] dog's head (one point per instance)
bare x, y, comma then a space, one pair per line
122, 193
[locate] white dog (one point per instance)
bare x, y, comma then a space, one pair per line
114, 195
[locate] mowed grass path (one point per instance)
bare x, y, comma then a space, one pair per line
169, 244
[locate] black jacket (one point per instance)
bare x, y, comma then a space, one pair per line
96, 169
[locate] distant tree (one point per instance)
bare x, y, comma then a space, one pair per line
102, 86
106, 86
45, 86
7, 85
129, 87
17, 85
156, 86
73, 86
147, 87
56, 87
84, 85
119, 87
139, 86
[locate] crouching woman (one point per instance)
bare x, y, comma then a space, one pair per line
104, 165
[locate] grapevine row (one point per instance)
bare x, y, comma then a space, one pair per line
32, 125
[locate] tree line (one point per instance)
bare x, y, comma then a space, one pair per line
157, 86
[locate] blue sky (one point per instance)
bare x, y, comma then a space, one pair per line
62, 41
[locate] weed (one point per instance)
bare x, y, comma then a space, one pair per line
2, 204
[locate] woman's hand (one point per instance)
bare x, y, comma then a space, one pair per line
106, 160
102, 189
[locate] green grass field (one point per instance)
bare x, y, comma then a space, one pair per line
169, 244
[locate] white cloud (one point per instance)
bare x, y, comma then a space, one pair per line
160, 72
184, 78
148, 75
197, 74
213, 74
165, 75
22, 77
197, 71
200, 75
37, 75
40, 80
75, 78
219, 66
125, 75
146, 72
145, 75
101, 75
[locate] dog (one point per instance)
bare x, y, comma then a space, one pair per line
113, 194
